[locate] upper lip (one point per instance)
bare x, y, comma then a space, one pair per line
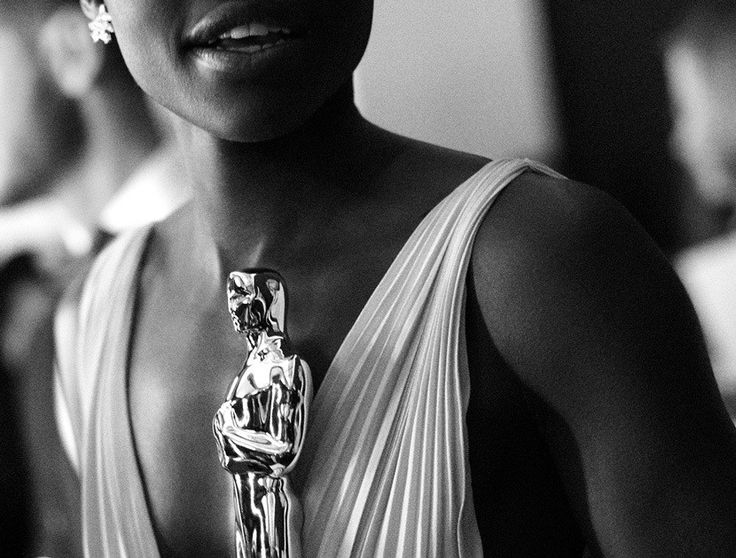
229, 15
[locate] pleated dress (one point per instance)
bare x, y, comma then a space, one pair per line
384, 469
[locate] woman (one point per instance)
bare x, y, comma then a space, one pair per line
592, 418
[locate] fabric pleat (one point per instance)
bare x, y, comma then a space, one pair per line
115, 517
384, 469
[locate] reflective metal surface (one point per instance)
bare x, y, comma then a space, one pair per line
261, 425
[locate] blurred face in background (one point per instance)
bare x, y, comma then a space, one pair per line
703, 93
34, 118
18, 78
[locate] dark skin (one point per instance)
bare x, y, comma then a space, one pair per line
593, 415
600, 347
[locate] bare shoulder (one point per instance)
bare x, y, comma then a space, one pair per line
556, 232
587, 313
566, 264
537, 214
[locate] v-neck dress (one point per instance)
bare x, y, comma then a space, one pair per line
384, 470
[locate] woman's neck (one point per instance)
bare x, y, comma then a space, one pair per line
278, 197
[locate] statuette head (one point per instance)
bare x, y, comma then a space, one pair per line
256, 302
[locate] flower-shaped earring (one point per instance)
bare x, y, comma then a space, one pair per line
101, 26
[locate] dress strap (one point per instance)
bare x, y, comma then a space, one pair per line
385, 468
115, 517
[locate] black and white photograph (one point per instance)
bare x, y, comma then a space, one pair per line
367, 279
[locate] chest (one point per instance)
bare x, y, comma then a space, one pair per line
184, 354
183, 358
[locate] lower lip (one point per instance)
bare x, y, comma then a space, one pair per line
272, 60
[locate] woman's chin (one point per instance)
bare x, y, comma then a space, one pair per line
256, 132
254, 122
260, 114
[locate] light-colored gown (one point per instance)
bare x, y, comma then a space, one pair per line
384, 470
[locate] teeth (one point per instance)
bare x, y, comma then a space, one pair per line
258, 30
238, 33
253, 30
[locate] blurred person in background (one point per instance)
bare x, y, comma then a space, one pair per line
39, 130
81, 159
700, 62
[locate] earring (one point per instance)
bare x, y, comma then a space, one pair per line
101, 26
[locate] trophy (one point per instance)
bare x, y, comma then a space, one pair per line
260, 427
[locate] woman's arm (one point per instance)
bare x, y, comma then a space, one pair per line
588, 314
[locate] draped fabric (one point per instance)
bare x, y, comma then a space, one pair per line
92, 404
384, 469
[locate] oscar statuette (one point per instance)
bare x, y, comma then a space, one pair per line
260, 427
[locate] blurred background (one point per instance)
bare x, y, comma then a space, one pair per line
579, 85
637, 98
614, 94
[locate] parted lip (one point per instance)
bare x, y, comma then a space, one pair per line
229, 15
